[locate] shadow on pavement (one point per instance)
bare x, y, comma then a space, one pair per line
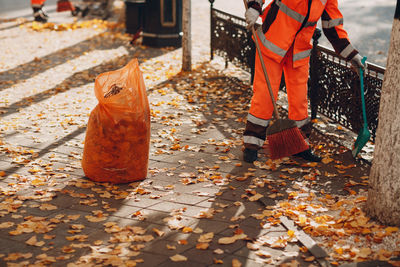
187, 194
98, 42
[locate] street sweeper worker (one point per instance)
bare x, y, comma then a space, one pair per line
285, 42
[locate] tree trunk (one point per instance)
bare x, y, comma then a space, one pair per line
383, 201
186, 39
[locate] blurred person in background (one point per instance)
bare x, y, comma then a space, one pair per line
40, 15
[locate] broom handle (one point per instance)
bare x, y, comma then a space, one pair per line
263, 68
362, 92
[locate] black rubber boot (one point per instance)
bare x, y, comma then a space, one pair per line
84, 11
308, 155
306, 129
76, 11
39, 15
250, 155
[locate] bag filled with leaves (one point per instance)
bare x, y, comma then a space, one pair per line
117, 138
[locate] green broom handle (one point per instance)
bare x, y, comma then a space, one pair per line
264, 68
362, 91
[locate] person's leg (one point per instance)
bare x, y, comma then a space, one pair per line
38, 13
261, 107
296, 80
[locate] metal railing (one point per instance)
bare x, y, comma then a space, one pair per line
334, 87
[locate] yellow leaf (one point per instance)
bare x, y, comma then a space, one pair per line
255, 197
158, 232
236, 263
290, 233
47, 207
206, 238
98, 242
232, 239
327, 160
31, 241
303, 249
91, 218
6, 225
227, 240
178, 257
218, 251
309, 259
48, 236
391, 230
364, 252
182, 242
38, 182
171, 247
187, 230
263, 254
339, 250
217, 261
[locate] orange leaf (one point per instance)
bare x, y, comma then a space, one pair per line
217, 261
202, 246
187, 230
391, 230
182, 242
309, 259
236, 263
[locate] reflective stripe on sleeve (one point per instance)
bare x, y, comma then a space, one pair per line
271, 46
310, 24
326, 24
347, 51
257, 121
247, 139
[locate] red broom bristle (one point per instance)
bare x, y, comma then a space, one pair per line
286, 143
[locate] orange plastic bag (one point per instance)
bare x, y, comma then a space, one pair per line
118, 133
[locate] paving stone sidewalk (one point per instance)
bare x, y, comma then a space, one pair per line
197, 207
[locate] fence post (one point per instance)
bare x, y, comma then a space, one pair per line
313, 89
211, 29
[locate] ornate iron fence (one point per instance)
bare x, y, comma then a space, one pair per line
231, 40
334, 88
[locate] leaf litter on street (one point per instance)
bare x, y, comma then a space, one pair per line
45, 198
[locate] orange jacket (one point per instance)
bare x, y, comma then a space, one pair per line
289, 23
37, 3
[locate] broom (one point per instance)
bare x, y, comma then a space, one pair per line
283, 135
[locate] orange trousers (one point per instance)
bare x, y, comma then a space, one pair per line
37, 2
296, 87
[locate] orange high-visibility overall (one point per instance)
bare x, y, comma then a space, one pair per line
285, 41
